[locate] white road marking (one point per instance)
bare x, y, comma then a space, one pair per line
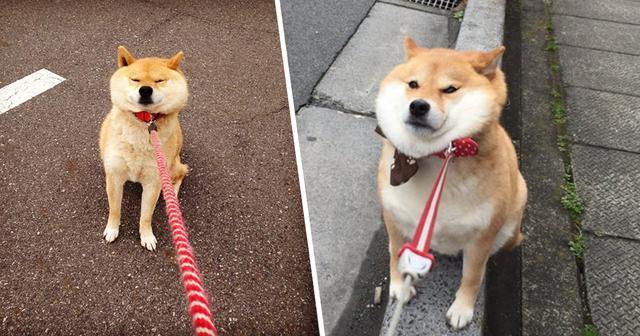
26, 88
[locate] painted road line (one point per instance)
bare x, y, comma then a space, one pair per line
26, 88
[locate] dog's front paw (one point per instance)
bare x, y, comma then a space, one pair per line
110, 233
399, 292
459, 314
148, 241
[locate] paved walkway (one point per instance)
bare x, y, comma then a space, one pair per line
241, 199
599, 52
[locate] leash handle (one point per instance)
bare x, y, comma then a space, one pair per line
201, 316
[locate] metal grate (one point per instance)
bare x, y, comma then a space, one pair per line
442, 4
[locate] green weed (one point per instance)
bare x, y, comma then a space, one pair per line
578, 245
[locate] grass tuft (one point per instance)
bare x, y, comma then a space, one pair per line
551, 44
571, 201
459, 14
578, 245
590, 330
563, 143
557, 109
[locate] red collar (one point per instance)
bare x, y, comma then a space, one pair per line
146, 117
461, 148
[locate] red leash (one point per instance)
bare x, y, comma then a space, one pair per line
198, 303
415, 261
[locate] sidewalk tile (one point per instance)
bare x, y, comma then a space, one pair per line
608, 181
603, 119
612, 271
599, 70
595, 34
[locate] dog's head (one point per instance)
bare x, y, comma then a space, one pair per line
439, 95
154, 85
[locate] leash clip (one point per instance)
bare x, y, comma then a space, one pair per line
151, 126
451, 149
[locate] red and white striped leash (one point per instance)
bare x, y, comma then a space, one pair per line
201, 316
414, 259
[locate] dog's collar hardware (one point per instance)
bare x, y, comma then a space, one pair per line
151, 126
147, 117
405, 166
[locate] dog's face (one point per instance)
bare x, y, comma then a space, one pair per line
154, 85
437, 96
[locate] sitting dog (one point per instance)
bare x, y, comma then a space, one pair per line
434, 97
142, 91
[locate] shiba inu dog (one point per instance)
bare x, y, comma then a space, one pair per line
435, 97
142, 90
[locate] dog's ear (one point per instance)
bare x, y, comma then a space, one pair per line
174, 61
124, 57
486, 63
410, 47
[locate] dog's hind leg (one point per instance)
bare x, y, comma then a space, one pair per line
178, 173
115, 186
150, 194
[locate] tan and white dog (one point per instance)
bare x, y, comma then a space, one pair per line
435, 97
155, 87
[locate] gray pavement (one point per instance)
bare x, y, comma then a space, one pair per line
352, 81
339, 155
339, 158
601, 67
315, 32
240, 200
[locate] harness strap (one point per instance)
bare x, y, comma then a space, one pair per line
414, 259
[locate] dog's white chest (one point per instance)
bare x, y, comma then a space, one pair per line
462, 213
131, 153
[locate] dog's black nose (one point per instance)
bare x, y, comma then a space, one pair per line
419, 108
145, 91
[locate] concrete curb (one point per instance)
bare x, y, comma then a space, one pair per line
483, 25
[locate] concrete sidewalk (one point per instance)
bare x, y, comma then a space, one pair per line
599, 54
339, 156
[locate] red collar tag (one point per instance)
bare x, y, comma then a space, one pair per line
461, 148
146, 117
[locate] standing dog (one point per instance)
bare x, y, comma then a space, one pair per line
435, 97
148, 88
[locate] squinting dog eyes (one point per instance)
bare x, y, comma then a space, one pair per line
159, 80
450, 89
135, 80
413, 84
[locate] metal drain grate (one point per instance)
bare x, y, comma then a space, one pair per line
442, 4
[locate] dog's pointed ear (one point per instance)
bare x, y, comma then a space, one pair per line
174, 62
486, 63
410, 47
124, 57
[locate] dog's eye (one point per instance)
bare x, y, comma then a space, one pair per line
450, 89
135, 80
159, 80
413, 84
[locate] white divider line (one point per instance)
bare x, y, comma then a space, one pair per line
26, 88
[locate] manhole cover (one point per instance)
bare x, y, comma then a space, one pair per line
442, 4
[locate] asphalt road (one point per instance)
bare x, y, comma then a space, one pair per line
241, 199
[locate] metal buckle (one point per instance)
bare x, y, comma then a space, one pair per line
451, 149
